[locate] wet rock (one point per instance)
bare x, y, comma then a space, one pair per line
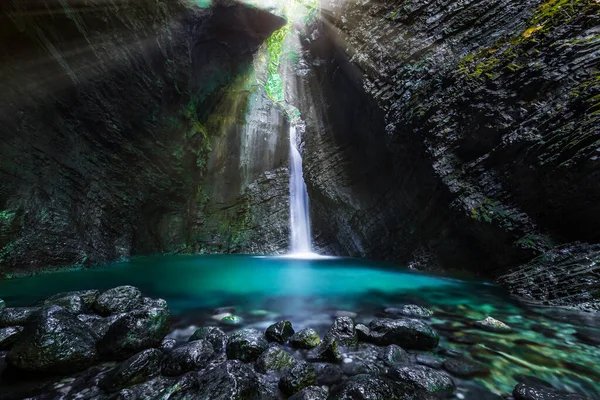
300, 376
429, 360
246, 345
148, 303
118, 300
326, 351
328, 374
465, 368
407, 333
367, 359
2, 305
214, 335
134, 332
185, 388
363, 332
492, 325
279, 332
463, 338
9, 335
310, 393
268, 387
77, 302
168, 344
366, 387
305, 339
136, 369
524, 392
11, 316
232, 320
274, 360
394, 354
99, 325
146, 390
409, 310
54, 341
187, 357
343, 331
426, 378
229, 380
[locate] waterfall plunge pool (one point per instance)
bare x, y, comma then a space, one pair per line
556, 346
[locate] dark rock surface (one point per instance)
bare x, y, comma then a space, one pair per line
54, 341
229, 380
307, 338
426, 378
465, 368
279, 332
9, 335
76, 302
365, 387
310, 393
406, 333
136, 369
12, 316
192, 356
300, 376
246, 345
524, 392
343, 331
212, 334
274, 360
118, 300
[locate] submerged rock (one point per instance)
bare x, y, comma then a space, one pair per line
300, 376
305, 339
229, 380
214, 335
133, 332
232, 320
343, 331
406, 333
493, 325
274, 360
246, 345
426, 378
136, 369
118, 300
54, 341
9, 335
12, 316
279, 332
187, 357
524, 392
465, 368
310, 393
409, 310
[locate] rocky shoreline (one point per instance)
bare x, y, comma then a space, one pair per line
120, 345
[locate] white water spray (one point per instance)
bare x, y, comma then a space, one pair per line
299, 216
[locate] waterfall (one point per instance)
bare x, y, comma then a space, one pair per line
299, 216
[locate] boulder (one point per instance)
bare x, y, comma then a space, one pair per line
326, 351
136, 369
214, 335
229, 380
300, 376
428, 379
305, 339
275, 360
117, 300
12, 316
310, 393
134, 332
343, 331
9, 335
279, 332
246, 345
77, 302
54, 341
187, 357
406, 333
366, 387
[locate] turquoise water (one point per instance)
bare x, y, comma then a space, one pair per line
547, 343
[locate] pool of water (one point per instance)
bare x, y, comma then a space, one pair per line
555, 345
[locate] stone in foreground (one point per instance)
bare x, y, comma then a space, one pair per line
229, 380
310, 393
54, 341
524, 392
300, 376
136, 369
426, 378
493, 325
191, 356
343, 331
274, 360
406, 333
9, 335
118, 300
246, 345
305, 339
214, 335
279, 332
12, 316
366, 387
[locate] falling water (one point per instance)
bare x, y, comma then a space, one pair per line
299, 217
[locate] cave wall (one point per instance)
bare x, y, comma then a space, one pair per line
460, 136
104, 122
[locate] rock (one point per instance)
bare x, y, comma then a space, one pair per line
300, 376
9, 335
54, 341
409, 310
274, 360
185, 388
328, 374
136, 369
232, 320
429, 360
305, 339
343, 332
493, 325
2, 304
246, 345
367, 359
12, 316
524, 392
168, 344
588, 336
229, 380
310, 393
426, 378
134, 332
465, 368
147, 390
406, 333
148, 303
326, 351
366, 387
214, 335
363, 332
187, 357
99, 325
118, 300
394, 354
77, 302
268, 387
279, 332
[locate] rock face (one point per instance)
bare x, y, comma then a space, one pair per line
476, 146
109, 114
406, 333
